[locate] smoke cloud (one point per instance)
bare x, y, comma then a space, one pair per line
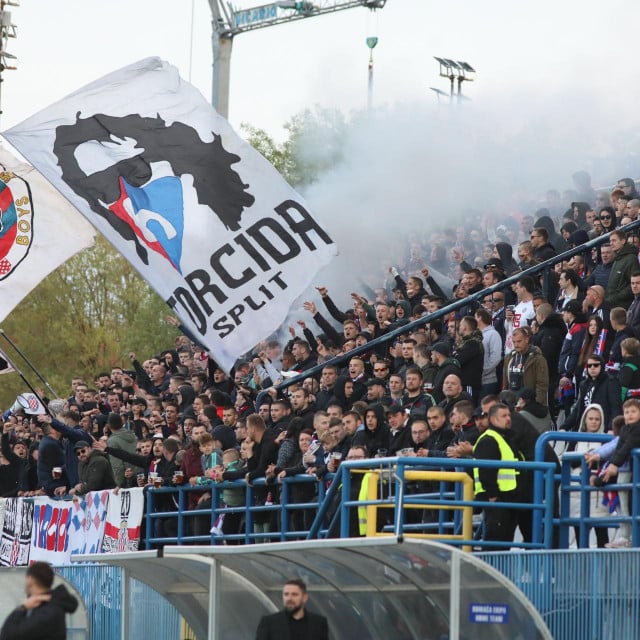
412, 168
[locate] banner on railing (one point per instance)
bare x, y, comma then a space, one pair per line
54, 530
16, 532
124, 517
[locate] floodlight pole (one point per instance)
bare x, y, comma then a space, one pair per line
228, 22
455, 70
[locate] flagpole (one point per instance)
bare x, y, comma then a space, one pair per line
18, 350
31, 388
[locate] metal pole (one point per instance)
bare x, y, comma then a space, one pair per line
221, 45
454, 596
124, 603
214, 600
370, 83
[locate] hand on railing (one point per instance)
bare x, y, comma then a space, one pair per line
591, 458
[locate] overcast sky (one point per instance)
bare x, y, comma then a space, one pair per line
543, 48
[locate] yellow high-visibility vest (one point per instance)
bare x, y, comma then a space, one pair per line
506, 477
363, 495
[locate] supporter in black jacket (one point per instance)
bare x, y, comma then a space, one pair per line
597, 388
13, 470
42, 614
441, 435
555, 239
399, 430
549, 339
441, 355
470, 354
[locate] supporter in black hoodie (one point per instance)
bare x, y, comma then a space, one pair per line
375, 435
555, 239
596, 388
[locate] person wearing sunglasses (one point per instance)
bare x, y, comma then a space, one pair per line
608, 219
596, 388
95, 470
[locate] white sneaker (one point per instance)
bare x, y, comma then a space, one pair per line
618, 543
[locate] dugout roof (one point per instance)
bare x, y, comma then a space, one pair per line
367, 588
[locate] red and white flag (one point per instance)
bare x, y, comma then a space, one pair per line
203, 217
39, 230
31, 404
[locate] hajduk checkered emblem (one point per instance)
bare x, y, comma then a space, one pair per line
16, 221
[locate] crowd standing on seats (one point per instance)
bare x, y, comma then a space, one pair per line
484, 381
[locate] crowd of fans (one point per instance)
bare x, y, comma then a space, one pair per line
482, 382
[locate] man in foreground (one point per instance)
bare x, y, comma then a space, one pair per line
294, 622
42, 615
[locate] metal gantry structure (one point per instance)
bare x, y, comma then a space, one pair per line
228, 22
7, 30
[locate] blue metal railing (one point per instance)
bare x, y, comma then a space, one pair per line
333, 505
571, 482
542, 536
338, 498
280, 509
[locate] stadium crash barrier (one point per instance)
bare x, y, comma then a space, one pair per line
573, 479
425, 497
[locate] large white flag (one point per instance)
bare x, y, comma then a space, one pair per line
205, 219
39, 230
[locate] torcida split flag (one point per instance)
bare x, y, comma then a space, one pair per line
203, 217
39, 230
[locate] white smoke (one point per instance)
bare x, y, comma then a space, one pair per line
410, 169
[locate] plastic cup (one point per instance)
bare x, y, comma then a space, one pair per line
157, 482
178, 477
56, 472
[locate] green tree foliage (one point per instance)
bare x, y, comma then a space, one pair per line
314, 145
85, 317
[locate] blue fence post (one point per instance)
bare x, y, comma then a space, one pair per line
284, 512
585, 504
248, 526
181, 511
149, 520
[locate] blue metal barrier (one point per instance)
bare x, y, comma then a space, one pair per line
281, 510
570, 482
581, 594
336, 501
542, 536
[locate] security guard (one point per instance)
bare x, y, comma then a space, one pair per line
497, 485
